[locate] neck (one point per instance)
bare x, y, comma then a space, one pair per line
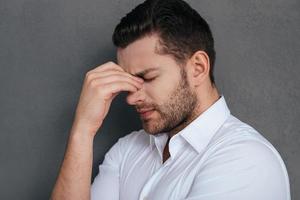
207, 99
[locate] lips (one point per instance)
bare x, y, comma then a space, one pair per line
145, 110
145, 113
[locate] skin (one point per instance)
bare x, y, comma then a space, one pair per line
178, 94
101, 85
168, 87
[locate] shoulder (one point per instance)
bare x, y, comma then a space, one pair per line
239, 149
234, 130
238, 138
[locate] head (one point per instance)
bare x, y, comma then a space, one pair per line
170, 46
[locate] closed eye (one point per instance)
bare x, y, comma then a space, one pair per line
149, 79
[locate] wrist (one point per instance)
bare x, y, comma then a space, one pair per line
82, 130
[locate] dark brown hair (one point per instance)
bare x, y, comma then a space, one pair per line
182, 31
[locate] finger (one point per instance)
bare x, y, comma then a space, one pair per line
115, 94
116, 78
119, 86
112, 73
108, 66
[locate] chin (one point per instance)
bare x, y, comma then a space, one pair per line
152, 129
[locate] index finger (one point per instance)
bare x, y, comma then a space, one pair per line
108, 65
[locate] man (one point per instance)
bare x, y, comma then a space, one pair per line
190, 146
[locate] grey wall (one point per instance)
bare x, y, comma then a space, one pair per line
46, 47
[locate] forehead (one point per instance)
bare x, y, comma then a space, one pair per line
142, 55
142, 47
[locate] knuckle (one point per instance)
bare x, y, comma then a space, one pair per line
110, 63
93, 83
88, 75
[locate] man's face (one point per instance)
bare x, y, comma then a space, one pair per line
165, 94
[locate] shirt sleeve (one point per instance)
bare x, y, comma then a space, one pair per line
242, 170
106, 183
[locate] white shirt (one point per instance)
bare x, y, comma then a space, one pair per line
216, 157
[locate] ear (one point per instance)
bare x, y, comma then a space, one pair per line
199, 68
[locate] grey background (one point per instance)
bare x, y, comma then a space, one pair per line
46, 47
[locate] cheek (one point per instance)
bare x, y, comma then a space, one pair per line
159, 92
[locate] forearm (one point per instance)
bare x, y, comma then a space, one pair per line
74, 179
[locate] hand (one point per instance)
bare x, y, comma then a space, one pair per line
100, 87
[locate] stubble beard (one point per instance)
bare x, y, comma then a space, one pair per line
176, 112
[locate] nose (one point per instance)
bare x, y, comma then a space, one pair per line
137, 97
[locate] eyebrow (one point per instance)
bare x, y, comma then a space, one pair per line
144, 72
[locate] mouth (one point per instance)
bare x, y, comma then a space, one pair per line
146, 113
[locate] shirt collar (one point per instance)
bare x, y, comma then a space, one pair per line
200, 131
